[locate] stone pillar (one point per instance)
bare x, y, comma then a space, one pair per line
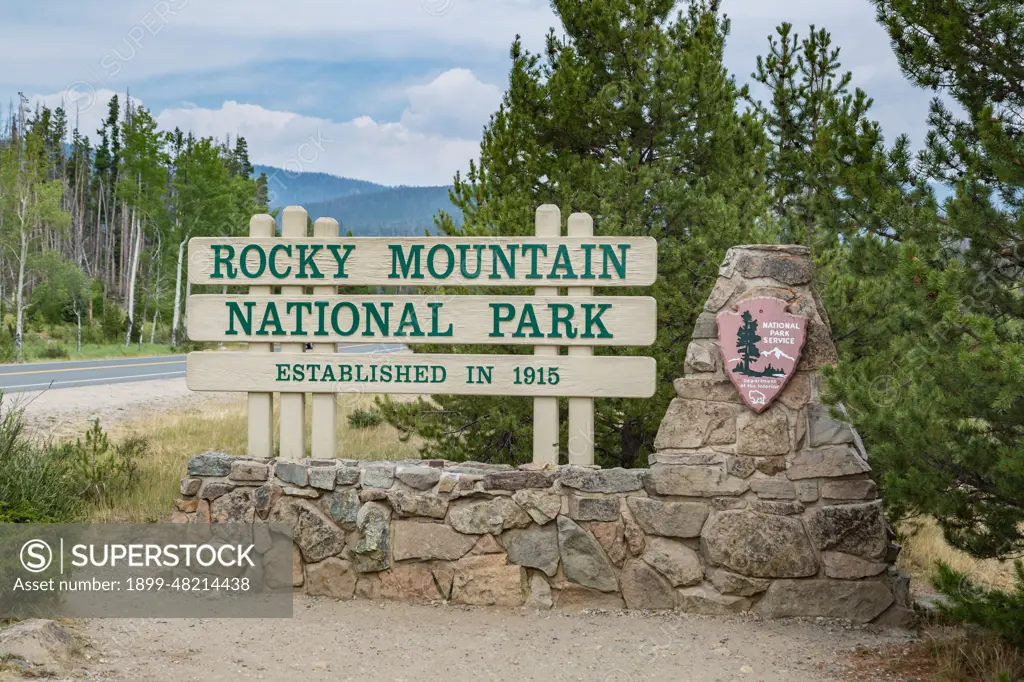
795, 523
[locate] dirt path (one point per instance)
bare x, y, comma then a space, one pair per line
67, 412
370, 641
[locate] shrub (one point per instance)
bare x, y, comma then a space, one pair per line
106, 471
55, 351
1001, 612
37, 482
364, 419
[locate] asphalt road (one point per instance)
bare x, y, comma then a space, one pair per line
41, 375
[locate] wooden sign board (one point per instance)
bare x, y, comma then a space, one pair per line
423, 374
423, 261
761, 345
518, 320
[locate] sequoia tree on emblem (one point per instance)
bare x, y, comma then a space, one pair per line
761, 344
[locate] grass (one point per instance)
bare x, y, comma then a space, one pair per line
37, 351
174, 437
940, 654
923, 546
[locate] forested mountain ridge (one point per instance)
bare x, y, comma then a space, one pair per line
286, 187
395, 211
364, 208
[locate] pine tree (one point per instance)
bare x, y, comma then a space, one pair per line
632, 118
941, 402
746, 343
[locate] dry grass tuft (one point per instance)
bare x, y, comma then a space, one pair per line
174, 437
941, 654
924, 545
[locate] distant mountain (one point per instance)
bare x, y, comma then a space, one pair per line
396, 211
299, 188
365, 208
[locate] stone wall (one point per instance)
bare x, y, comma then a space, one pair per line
773, 513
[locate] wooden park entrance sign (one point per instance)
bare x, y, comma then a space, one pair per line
546, 321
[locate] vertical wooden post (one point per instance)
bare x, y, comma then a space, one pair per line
581, 410
293, 405
324, 432
545, 410
261, 405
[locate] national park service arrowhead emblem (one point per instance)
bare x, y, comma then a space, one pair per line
761, 345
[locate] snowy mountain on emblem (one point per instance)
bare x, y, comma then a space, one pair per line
777, 353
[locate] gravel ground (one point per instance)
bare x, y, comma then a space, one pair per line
360, 640
68, 411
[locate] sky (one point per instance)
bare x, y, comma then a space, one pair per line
391, 91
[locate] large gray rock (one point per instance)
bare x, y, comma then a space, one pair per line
826, 462
292, 472
416, 540
693, 481
705, 600
247, 470
533, 547
540, 592
823, 429
857, 529
476, 517
210, 464
427, 504
791, 269
593, 508
190, 486
420, 478
330, 578
857, 489
265, 497
411, 581
373, 552
849, 567
314, 533
631, 530
346, 475
693, 423
673, 519
342, 506
542, 506
676, 561
700, 357
518, 480
644, 588
583, 560
734, 583
859, 601
774, 488
214, 489
323, 477
234, 507
378, 476
600, 480
759, 545
764, 434
488, 581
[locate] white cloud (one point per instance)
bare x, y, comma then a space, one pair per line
438, 133
455, 103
